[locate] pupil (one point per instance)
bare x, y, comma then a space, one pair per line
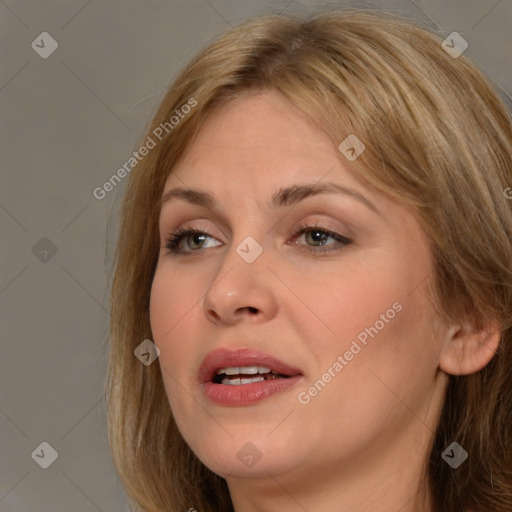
195, 237
317, 238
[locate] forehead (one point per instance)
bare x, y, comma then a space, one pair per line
262, 138
259, 121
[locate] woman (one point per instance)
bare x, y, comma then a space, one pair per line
318, 243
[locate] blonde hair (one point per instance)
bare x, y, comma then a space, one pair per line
438, 140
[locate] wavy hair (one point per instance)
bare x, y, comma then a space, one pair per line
438, 140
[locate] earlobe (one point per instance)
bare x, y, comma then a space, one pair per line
467, 351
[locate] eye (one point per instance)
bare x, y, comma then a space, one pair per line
175, 240
318, 236
195, 239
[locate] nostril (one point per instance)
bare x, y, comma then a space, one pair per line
214, 315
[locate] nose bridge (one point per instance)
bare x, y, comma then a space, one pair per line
239, 283
248, 234
242, 259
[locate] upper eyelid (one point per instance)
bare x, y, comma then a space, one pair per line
306, 206
343, 230
221, 222
183, 231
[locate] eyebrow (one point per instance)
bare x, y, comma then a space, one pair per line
283, 197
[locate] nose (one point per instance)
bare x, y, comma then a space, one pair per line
241, 291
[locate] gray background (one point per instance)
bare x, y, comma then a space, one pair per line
68, 123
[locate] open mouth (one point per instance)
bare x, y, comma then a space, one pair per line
244, 376
238, 376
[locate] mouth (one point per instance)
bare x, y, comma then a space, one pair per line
231, 366
234, 376
244, 376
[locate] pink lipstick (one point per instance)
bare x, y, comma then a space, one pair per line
244, 376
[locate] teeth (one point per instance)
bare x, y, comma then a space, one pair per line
245, 370
238, 382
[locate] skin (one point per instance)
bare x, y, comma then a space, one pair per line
361, 443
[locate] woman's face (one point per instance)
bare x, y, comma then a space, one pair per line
348, 318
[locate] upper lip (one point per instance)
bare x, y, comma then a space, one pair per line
225, 358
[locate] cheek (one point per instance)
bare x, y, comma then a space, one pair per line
348, 304
377, 315
173, 314
171, 307
173, 296
374, 380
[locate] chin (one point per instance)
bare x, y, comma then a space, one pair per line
228, 465
251, 453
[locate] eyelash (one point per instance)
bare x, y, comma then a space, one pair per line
179, 234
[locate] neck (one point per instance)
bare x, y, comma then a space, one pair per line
388, 475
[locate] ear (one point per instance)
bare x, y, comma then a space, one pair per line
467, 351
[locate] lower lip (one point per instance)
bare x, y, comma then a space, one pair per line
247, 394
